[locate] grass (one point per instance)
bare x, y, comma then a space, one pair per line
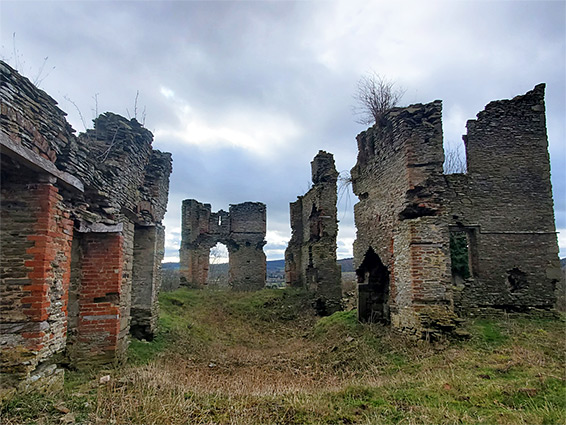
263, 358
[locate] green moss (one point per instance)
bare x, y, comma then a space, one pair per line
339, 323
141, 352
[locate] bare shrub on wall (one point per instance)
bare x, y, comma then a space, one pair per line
375, 96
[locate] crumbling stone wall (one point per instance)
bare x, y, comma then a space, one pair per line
310, 257
401, 251
242, 229
69, 209
504, 205
408, 209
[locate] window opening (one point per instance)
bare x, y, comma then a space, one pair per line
218, 265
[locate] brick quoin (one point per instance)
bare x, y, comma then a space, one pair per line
51, 255
99, 318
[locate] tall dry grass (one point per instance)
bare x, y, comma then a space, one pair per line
264, 358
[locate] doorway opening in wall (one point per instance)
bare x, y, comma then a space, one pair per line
460, 256
218, 265
373, 289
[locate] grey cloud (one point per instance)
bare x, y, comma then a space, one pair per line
264, 58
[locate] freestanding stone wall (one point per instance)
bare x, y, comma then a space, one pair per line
505, 209
409, 214
70, 209
242, 230
310, 258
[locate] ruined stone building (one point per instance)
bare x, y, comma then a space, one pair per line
81, 236
310, 257
409, 211
242, 229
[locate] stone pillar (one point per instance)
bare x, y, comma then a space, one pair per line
195, 247
247, 238
36, 256
310, 258
247, 267
146, 281
293, 257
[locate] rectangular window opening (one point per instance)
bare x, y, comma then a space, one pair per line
460, 255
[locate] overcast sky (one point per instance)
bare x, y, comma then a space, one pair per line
245, 93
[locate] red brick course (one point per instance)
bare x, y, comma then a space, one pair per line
99, 322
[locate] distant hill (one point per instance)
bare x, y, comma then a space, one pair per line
170, 266
275, 265
347, 265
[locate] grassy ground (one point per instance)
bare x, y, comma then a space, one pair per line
263, 358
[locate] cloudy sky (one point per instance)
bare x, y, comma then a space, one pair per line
245, 93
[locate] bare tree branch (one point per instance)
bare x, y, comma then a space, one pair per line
78, 110
102, 157
38, 78
136, 104
375, 96
454, 160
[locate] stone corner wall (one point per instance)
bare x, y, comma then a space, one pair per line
409, 212
401, 251
505, 205
310, 257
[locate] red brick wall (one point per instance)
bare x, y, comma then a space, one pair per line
99, 297
36, 255
47, 293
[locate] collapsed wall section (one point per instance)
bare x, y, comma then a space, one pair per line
310, 258
428, 244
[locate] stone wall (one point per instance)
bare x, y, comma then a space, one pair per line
505, 205
31, 116
148, 254
310, 258
242, 230
408, 209
70, 206
401, 251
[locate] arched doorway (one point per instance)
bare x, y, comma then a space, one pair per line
373, 289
